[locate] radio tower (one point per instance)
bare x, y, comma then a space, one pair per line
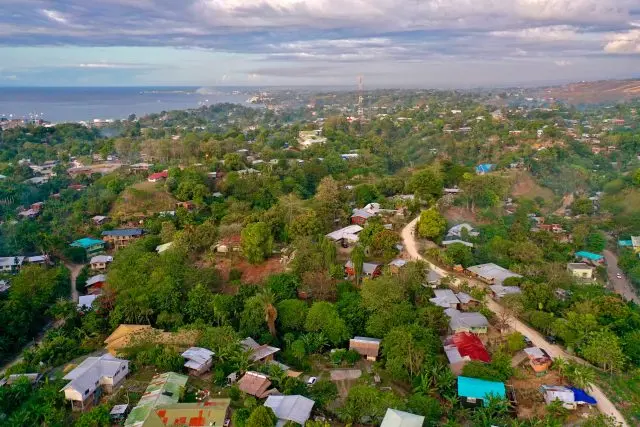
360, 97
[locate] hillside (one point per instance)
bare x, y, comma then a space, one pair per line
594, 92
144, 198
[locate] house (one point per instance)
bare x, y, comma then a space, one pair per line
369, 269
259, 353
91, 378
199, 360
460, 230
4, 286
360, 216
11, 264
539, 360
458, 241
229, 244
29, 213
474, 392
163, 390
484, 168
589, 257
33, 378
95, 283
462, 348
580, 270
434, 278
345, 236
293, 408
635, 243
445, 298
85, 302
90, 245
188, 206
210, 412
119, 413
366, 347
136, 167
466, 322
396, 418
466, 301
99, 219
307, 138
100, 262
121, 238
158, 176
255, 384
490, 273
396, 265
163, 247
499, 291
570, 397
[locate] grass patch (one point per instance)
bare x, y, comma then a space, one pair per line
624, 391
143, 198
627, 201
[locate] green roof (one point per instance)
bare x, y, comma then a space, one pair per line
164, 389
87, 242
480, 389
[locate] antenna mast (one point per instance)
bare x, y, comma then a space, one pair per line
360, 97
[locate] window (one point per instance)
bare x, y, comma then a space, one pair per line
86, 392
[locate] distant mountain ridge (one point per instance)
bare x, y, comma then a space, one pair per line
594, 92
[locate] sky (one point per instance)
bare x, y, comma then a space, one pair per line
391, 43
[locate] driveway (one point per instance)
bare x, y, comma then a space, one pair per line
604, 404
619, 286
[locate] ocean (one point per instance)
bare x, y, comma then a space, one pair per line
58, 104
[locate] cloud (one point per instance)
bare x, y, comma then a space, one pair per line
55, 16
563, 63
108, 65
627, 42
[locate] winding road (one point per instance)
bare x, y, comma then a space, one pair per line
604, 404
620, 286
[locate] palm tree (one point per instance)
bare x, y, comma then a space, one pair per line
270, 313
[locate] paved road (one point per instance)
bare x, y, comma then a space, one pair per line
604, 404
620, 286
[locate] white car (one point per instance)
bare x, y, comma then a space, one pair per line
619, 276
312, 380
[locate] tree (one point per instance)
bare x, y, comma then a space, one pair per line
595, 242
603, 349
366, 401
460, 254
431, 225
426, 185
267, 299
96, 417
261, 416
582, 206
292, 314
323, 392
323, 317
256, 242
306, 225
283, 285
407, 349
357, 258
199, 304
427, 406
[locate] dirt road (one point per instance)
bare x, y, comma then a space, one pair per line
620, 286
604, 404
75, 271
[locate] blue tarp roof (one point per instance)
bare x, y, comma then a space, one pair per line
484, 167
625, 243
480, 389
588, 255
86, 242
580, 395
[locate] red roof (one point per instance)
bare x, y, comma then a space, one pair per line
468, 344
159, 175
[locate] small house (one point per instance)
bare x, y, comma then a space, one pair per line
474, 392
396, 265
369, 269
94, 284
490, 273
85, 302
434, 279
255, 384
499, 291
368, 348
158, 176
589, 257
571, 397
90, 245
466, 322
580, 270
396, 418
100, 262
460, 230
539, 360
229, 244
122, 237
119, 413
293, 408
11, 264
162, 248
91, 378
466, 301
99, 219
445, 298
259, 353
163, 390
464, 347
188, 206
198, 360
345, 236
484, 168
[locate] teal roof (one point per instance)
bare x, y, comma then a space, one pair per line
625, 243
480, 389
86, 242
588, 255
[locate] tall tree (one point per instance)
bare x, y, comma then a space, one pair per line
267, 299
